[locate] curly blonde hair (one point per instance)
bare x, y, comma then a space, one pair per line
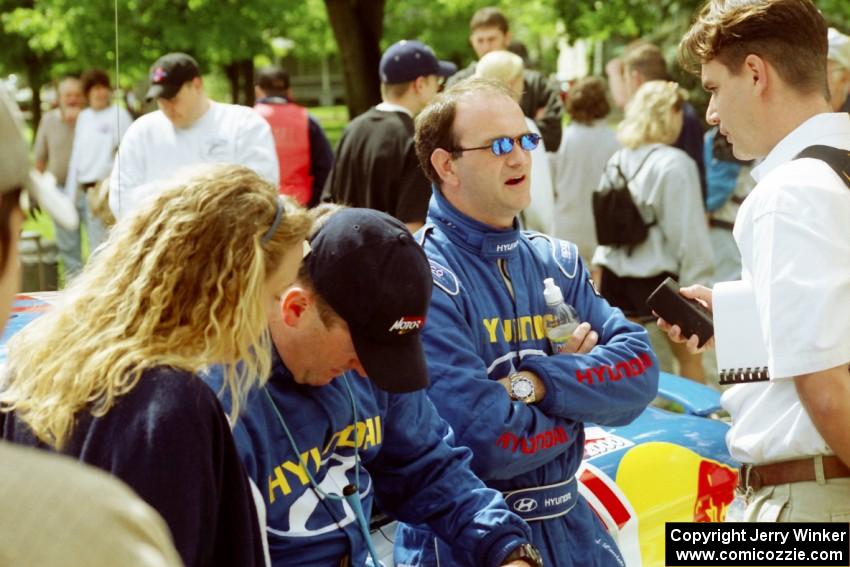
178, 284
649, 119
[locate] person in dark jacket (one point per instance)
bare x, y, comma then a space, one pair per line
376, 164
108, 376
640, 64
43, 494
304, 154
344, 418
541, 100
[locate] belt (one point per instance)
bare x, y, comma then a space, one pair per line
543, 502
87, 186
800, 470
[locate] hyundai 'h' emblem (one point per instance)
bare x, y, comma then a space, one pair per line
525, 505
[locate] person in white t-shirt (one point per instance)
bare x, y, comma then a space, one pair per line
769, 98
586, 145
98, 132
188, 129
508, 68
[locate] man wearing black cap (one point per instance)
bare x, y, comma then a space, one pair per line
188, 128
320, 430
376, 163
303, 151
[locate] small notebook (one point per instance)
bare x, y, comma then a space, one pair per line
738, 340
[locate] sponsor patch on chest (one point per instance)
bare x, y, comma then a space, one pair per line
444, 278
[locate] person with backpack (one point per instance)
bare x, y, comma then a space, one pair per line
649, 216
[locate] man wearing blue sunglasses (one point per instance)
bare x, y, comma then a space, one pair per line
495, 379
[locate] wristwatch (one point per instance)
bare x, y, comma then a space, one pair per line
526, 552
522, 388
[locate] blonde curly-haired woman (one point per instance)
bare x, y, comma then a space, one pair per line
109, 375
664, 184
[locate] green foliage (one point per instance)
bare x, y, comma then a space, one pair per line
444, 25
45, 38
333, 120
86, 34
837, 13
305, 24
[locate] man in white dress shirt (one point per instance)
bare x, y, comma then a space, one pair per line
188, 129
764, 63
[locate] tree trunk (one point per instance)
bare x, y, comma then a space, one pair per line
246, 67
241, 76
232, 72
358, 26
34, 78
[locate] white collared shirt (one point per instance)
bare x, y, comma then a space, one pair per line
392, 107
793, 232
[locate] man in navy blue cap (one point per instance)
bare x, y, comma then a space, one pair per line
376, 164
321, 440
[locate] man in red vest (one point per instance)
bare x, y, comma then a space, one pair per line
303, 151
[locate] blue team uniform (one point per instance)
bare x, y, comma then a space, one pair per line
480, 330
407, 463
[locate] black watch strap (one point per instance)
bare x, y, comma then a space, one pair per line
526, 552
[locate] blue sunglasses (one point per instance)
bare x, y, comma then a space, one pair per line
505, 144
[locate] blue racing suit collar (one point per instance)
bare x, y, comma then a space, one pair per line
468, 233
280, 373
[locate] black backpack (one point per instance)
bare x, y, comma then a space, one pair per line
618, 219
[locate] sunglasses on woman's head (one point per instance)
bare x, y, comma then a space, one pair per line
505, 144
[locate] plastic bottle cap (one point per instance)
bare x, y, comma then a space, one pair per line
552, 293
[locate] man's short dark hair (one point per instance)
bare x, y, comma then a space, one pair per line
274, 80
587, 100
489, 17
646, 59
435, 124
93, 78
788, 34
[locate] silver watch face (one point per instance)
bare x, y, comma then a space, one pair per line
522, 388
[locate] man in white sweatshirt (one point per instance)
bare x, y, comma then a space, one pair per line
188, 129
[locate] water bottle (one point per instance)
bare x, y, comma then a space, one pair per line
564, 319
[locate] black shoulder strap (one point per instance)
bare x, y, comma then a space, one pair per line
646, 157
837, 159
619, 169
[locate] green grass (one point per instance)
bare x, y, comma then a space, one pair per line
41, 223
333, 120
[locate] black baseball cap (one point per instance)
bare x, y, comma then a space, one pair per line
366, 265
169, 73
406, 60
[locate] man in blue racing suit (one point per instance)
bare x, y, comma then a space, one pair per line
319, 429
494, 378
